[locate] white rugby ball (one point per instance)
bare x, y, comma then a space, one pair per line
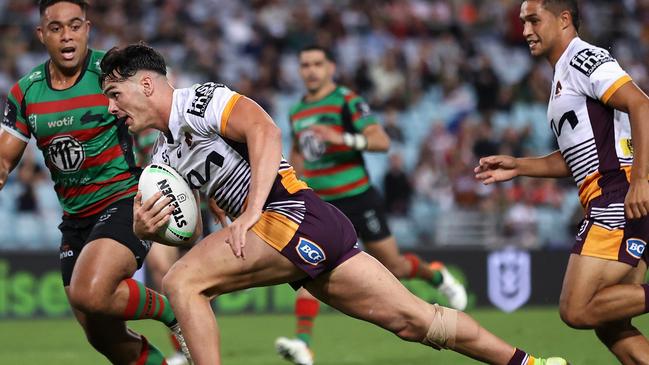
163, 178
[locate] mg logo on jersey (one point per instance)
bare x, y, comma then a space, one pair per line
311, 145
635, 247
310, 252
509, 278
66, 153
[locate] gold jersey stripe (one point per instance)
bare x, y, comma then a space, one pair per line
613, 88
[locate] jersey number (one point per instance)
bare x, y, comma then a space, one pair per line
570, 116
213, 158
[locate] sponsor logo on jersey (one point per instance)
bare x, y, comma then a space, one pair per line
363, 108
189, 140
32, 121
310, 252
588, 60
626, 144
202, 96
63, 122
66, 153
34, 75
10, 115
509, 278
635, 247
311, 145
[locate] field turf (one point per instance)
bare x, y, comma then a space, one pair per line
339, 340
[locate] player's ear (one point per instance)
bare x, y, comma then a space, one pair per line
566, 19
146, 82
39, 33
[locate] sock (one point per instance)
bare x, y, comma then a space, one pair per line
144, 303
306, 310
646, 297
415, 262
521, 358
174, 342
436, 268
150, 355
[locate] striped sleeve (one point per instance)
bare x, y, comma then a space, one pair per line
361, 115
14, 120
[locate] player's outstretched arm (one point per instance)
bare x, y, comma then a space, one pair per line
630, 99
249, 123
499, 168
11, 150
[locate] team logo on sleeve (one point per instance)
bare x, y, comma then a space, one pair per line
202, 96
66, 153
10, 115
589, 59
310, 252
635, 247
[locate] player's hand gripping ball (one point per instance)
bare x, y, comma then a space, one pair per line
182, 223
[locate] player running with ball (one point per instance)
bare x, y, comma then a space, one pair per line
229, 148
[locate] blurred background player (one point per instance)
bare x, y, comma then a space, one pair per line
599, 117
89, 154
331, 128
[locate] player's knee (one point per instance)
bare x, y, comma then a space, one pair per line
88, 299
172, 283
442, 329
575, 317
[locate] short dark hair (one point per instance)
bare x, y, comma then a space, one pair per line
557, 6
315, 47
121, 63
44, 4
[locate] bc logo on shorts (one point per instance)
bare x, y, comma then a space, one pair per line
635, 247
310, 252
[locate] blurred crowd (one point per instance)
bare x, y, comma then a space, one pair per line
451, 81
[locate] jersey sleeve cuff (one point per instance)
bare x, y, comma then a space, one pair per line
225, 116
15, 133
614, 87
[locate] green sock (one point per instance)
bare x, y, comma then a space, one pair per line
150, 355
437, 278
145, 303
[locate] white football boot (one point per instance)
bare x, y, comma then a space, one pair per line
452, 290
294, 350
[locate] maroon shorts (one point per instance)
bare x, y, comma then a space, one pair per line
607, 234
313, 234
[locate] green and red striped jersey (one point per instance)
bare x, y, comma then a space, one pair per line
87, 150
332, 171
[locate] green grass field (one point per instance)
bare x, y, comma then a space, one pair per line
340, 340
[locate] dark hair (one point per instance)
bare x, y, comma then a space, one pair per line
557, 6
314, 47
44, 4
121, 63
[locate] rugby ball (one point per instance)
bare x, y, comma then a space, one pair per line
163, 178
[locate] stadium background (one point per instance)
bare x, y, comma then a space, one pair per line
451, 80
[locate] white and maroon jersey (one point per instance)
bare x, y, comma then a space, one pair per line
219, 167
594, 139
